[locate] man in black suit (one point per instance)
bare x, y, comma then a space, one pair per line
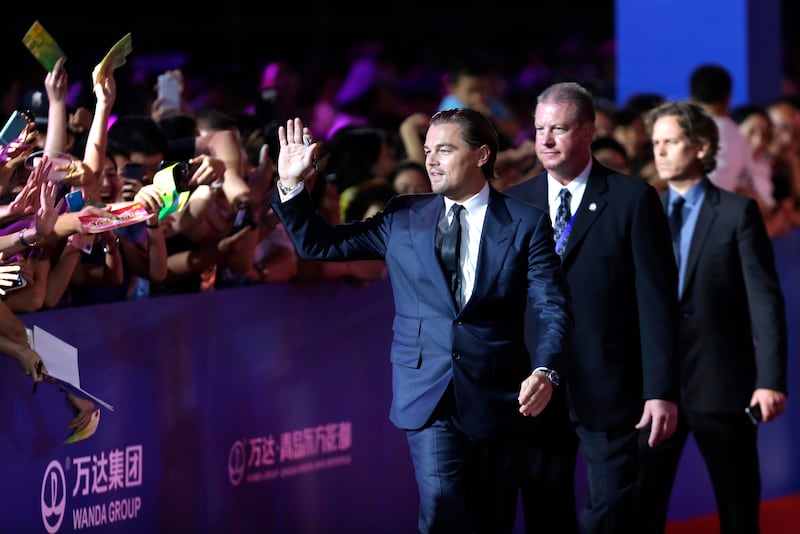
732, 340
621, 370
462, 376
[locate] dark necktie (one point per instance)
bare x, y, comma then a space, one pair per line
449, 249
675, 223
563, 215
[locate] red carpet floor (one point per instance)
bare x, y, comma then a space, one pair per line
778, 516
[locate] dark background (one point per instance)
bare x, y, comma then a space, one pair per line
250, 31
230, 43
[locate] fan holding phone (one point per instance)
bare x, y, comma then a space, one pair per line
15, 126
132, 176
169, 90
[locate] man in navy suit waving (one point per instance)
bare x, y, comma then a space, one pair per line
463, 378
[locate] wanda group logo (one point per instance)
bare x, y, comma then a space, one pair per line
236, 463
54, 497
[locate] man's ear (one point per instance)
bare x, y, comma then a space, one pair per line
483, 155
702, 149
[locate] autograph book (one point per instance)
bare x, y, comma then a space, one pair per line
61, 360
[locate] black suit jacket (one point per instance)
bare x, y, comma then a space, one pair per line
733, 319
622, 281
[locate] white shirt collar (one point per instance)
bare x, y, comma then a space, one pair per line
473, 204
574, 186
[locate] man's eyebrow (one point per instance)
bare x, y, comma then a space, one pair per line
440, 145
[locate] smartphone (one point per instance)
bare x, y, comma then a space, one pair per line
754, 413
244, 217
75, 201
132, 171
14, 127
307, 143
183, 172
18, 283
169, 91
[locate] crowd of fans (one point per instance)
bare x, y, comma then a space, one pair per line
111, 141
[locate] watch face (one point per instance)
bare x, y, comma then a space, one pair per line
555, 379
551, 375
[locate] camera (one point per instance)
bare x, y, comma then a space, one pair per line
181, 172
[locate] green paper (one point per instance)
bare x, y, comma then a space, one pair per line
43, 47
170, 204
164, 179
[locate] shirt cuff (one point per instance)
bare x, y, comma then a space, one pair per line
291, 193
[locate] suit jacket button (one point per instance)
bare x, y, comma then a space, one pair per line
459, 323
457, 356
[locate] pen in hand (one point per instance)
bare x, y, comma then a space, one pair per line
38, 372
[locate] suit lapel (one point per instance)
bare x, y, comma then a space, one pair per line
591, 205
538, 192
496, 238
702, 229
423, 227
665, 202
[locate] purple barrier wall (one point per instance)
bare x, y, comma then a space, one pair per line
258, 409
261, 409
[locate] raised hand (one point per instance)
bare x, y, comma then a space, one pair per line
149, 196
46, 214
209, 170
56, 82
295, 159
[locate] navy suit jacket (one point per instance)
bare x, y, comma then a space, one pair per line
480, 349
622, 280
733, 319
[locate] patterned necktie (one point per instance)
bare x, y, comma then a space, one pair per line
675, 223
563, 215
449, 250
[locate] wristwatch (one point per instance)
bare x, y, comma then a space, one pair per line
552, 376
286, 190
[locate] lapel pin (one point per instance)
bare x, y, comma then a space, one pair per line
592, 207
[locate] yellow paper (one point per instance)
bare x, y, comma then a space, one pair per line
183, 198
114, 58
174, 201
42, 45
